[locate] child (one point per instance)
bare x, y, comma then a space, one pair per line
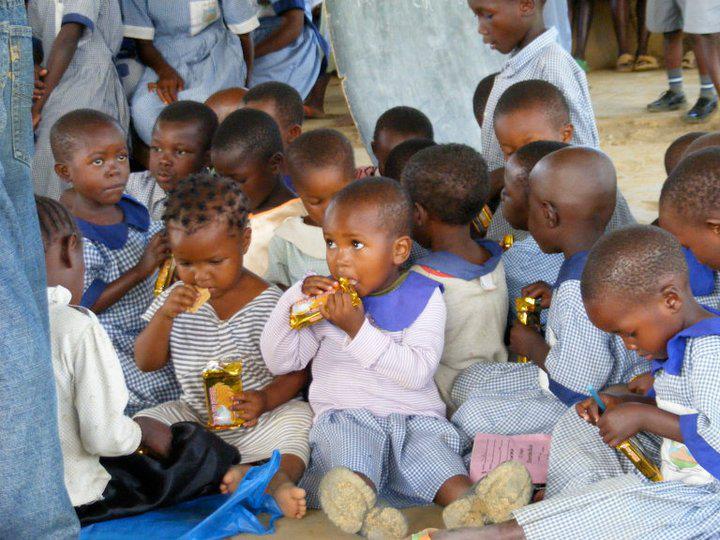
399, 156
248, 148
379, 428
283, 103
227, 101
187, 48
535, 110
571, 198
180, 146
79, 40
92, 395
320, 163
675, 151
635, 284
394, 126
524, 262
706, 140
208, 233
122, 247
689, 203
448, 185
481, 96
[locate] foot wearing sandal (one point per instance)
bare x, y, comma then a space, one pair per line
668, 101
645, 62
384, 523
507, 488
346, 499
703, 109
625, 63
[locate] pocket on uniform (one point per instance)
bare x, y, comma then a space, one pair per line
202, 14
21, 81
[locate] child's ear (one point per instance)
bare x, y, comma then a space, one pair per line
294, 132
714, 225
401, 250
567, 133
70, 251
277, 162
420, 215
672, 299
246, 237
529, 7
63, 171
552, 219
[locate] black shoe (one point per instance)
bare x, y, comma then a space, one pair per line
669, 101
701, 111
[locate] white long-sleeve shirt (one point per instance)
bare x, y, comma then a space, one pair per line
383, 372
91, 396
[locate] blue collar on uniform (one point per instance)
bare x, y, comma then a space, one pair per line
572, 268
398, 309
455, 266
702, 278
676, 346
114, 236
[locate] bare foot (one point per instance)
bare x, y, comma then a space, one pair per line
233, 477
291, 500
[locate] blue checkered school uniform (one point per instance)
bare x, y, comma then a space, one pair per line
525, 263
620, 502
704, 281
90, 80
198, 38
520, 398
297, 64
110, 251
543, 58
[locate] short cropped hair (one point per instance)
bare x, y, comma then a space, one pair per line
529, 155
187, 111
287, 100
386, 196
319, 149
249, 132
56, 222
482, 94
201, 198
629, 263
450, 181
399, 156
74, 127
677, 148
535, 93
693, 187
404, 120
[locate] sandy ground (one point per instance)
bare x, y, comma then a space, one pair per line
634, 139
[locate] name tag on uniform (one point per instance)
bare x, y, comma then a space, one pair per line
202, 14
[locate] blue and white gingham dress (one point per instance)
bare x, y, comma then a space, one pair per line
508, 398
298, 64
198, 39
603, 496
110, 251
543, 58
90, 80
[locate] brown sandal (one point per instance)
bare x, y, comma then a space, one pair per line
625, 63
645, 62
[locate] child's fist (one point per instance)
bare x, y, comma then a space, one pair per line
539, 290
641, 384
317, 285
589, 410
156, 252
180, 299
340, 311
250, 406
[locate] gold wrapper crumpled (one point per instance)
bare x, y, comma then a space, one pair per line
222, 381
528, 313
307, 311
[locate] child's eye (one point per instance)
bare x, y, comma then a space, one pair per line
216, 261
155, 149
97, 162
357, 245
330, 244
122, 157
181, 152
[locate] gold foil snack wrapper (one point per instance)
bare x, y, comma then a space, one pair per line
166, 276
507, 242
307, 311
481, 222
634, 452
528, 313
222, 381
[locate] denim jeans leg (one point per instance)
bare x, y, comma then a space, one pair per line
33, 500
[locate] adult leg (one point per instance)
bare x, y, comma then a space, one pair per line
706, 53
33, 500
582, 17
621, 15
674, 97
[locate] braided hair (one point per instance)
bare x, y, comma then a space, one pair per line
56, 222
203, 198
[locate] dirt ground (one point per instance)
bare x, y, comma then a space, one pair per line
634, 139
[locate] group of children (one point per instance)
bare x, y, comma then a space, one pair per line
409, 360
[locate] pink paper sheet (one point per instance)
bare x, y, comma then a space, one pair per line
490, 450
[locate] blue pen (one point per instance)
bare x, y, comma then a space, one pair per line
593, 393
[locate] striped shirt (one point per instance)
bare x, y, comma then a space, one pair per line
198, 338
383, 372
